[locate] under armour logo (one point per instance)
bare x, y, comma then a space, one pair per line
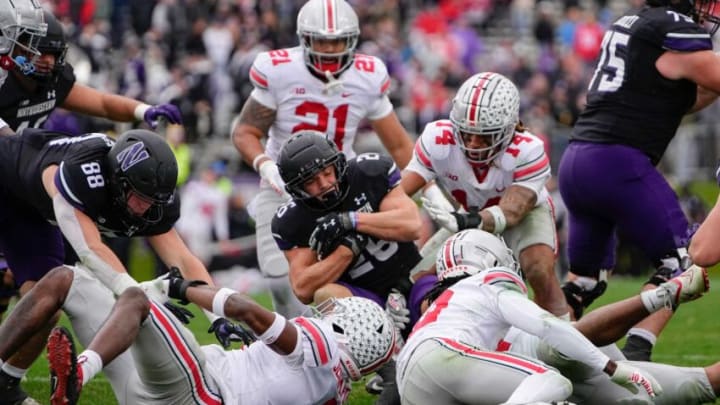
327, 225
132, 155
50, 94
361, 199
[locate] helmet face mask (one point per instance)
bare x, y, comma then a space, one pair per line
22, 25
486, 105
143, 174
324, 24
55, 44
470, 252
706, 14
305, 155
364, 332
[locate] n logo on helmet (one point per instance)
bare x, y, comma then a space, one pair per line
132, 155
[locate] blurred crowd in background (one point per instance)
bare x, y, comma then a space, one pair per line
197, 54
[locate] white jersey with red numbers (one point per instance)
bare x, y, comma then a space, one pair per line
468, 311
257, 375
438, 157
480, 310
303, 101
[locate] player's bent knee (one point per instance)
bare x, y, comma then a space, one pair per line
137, 298
56, 282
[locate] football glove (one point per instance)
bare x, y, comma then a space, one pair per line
634, 380
270, 174
452, 221
396, 308
227, 332
168, 112
177, 285
328, 231
182, 314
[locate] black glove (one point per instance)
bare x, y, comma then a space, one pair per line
182, 314
354, 241
329, 230
227, 332
178, 285
468, 220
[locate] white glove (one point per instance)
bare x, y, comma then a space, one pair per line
441, 216
157, 289
433, 193
271, 175
634, 380
396, 308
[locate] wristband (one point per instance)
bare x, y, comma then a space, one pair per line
140, 111
498, 218
257, 160
218, 304
273, 332
353, 218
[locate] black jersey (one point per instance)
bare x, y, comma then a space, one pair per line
629, 102
382, 264
22, 109
82, 178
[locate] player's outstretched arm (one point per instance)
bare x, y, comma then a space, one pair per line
86, 100
270, 327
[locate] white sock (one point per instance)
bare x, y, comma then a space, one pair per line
587, 283
91, 364
643, 333
14, 371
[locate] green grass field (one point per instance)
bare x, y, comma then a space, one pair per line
691, 339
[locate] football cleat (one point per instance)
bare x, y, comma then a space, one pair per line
688, 286
374, 385
65, 375
11, 393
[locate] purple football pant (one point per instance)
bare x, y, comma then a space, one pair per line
417, 293
32, 246
609, 188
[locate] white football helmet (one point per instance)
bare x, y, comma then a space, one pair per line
328, 20
364, 331
487, 104
470, 252
22, 25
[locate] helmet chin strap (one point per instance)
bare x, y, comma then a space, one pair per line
333, 85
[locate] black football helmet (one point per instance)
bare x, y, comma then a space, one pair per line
702, 11
303, 156
53, 43
142, 162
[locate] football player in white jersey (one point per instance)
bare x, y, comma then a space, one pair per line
472, 261
496, 171
460, 335
322, 85
313, 359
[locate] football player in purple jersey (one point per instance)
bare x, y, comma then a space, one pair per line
657, 65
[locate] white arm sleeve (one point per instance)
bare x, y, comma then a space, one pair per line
70, 227
524, 314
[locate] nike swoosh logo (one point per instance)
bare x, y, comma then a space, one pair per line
346, 95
